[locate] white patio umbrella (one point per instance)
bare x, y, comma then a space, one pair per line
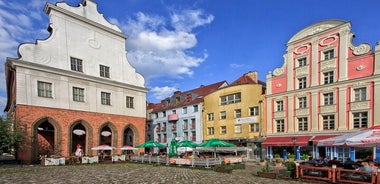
103, 147
364, 138
126, 147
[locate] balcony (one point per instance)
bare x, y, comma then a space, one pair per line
173, 117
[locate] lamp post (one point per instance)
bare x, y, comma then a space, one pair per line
294, 140
260, 129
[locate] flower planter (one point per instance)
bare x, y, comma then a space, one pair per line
267, 175
223, 170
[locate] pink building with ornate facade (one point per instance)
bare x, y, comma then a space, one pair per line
326, 87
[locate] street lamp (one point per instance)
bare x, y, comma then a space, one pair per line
294, 140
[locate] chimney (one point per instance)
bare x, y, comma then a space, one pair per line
252, 75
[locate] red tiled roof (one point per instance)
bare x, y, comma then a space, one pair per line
196, 94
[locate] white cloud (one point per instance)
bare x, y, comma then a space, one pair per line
161, 47
163, 92
186, 20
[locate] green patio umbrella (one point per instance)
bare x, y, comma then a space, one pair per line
214, 143
187, 143
151, 144
173, 148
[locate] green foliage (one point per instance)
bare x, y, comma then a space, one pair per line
305, 156
11, 136
291, 156
266, 168
277, 155
290, 165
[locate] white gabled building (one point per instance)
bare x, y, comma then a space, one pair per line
78, 78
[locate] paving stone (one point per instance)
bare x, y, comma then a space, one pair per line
130, 173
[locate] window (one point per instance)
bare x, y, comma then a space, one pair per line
302, 124
163, 113
195, 107
280, 125
174, 127
301, 82
185, 136
302, 102
254, 127
328, 54
254, 111
223, 130
44, 89
210, 116
184, 110
106, 98
104, 71
223, 115
185, 124
192, 123
210, 130
76, 64
129, 101
360, 119
163, 128
78, 94
193, 136
230, 99
328, 98
237, 113
328, 77
360, 94
177, 99
237, 128
280, 105
302, 62
328, 122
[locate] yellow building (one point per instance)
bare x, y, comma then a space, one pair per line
233, 113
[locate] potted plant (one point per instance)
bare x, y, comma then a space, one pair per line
305, 157
291, 168
279, 162
266, 173
291, 157
223, 168
277, 155
262, 162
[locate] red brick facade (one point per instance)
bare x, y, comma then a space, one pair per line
63, 122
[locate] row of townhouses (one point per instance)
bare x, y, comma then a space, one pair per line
77, 87
326, 87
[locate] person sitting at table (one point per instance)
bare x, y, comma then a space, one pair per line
367, 168
334, 161
348, 164
372, 164
311, 161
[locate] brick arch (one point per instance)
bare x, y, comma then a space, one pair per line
57, 136
113, 131
89, 135
136, 136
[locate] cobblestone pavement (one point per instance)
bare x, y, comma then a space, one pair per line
129, 173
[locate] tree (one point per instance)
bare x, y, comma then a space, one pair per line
11, 136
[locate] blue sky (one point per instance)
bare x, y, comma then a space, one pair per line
182, 44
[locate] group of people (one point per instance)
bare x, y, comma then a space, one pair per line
365, 165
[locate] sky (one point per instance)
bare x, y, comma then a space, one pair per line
183, 44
